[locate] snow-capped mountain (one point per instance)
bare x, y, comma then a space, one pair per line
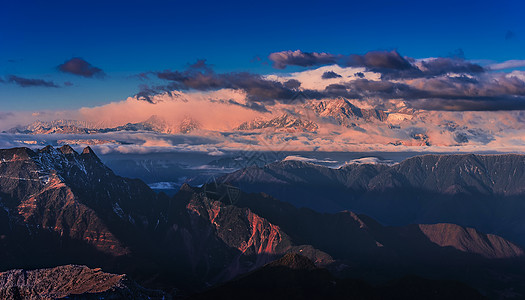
56, 126
285, 122
345, 113
152, 124
188, 125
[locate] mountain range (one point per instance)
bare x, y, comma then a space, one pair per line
60, 207
327, 124
152, 124
338, 111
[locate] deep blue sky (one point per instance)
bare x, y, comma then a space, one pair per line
124, 38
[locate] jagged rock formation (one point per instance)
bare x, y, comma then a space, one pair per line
188, 125
284, 122
345, 113
73, 282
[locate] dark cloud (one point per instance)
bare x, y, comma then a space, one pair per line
256, 87
30, 82
461, 93
376, 60
444, 65
389, 63
302, 59
250, 105
494, 104
330, 75
379, 60
146, 93
80, 67
444, 83
292, 84
68, 83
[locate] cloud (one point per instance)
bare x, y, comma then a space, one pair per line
373, 60
509, 64
80, 67
390, 64
292, 84
299, 58
443, 65
379, 60
256, 87
442, 83
30, 82
330, 75
250, 105
460, 93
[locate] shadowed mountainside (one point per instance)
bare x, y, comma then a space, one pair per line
481, 191
61, 207
296, 277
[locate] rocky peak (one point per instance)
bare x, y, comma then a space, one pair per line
294, 261
66, 149
285, 122
89, 153
70, 280
344, 112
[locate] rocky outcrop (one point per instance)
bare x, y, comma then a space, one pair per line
73, 282
470, 240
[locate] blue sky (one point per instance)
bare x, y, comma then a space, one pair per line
124, 38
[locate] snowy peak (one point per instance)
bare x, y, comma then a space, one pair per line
346, 113
286, 122
56, 126
188, 125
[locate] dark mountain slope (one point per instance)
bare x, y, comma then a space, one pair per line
295, 277
481, 191
61, 207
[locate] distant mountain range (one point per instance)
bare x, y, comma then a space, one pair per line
284, 122
395, 126
339, 111
483, 191
61, 207
152, 124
